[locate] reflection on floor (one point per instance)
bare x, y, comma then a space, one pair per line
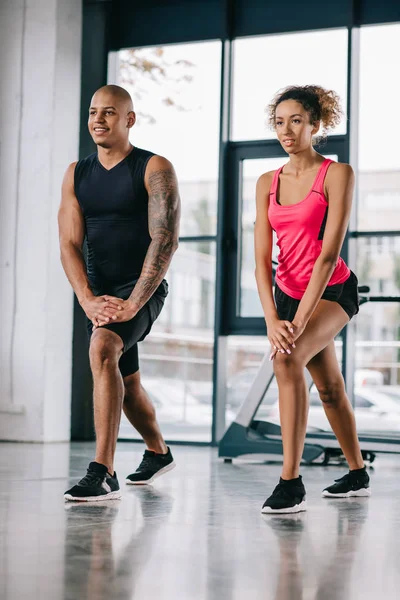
196, 534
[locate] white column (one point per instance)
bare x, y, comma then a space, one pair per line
40, 42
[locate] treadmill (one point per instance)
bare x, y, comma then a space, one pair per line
247, 436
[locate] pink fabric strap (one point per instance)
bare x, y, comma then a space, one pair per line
274, 184
319, 182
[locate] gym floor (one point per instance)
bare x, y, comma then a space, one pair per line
197, 533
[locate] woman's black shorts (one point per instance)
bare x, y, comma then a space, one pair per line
134, 331
345, 294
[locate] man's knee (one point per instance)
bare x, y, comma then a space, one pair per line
331, 393
105, 349
133, 386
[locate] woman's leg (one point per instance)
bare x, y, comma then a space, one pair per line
327, 320
325, 371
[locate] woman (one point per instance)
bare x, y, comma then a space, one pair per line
307, 202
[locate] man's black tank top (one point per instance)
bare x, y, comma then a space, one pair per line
114, 204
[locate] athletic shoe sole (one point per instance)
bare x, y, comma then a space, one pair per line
158, 474
110, 496
291, 509
364, 492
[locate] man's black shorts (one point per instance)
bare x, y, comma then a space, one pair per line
345, 294
134, 331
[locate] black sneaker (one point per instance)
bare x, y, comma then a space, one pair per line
152, 466
97, 485
355, 483
289, 496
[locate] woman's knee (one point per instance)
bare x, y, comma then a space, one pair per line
104, 350
332, 393
288, 364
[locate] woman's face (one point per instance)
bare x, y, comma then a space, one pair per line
293, 127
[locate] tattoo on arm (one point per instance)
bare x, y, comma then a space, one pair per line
164, 213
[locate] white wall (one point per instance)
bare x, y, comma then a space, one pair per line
40, 43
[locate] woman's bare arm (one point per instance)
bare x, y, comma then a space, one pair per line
263, 247
339, 186
279, 332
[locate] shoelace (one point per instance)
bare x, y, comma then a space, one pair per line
147, 461
281, 491
91, 478
345, 478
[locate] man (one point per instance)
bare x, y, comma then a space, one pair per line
125, 201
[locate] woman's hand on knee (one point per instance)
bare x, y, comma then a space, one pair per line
281, 337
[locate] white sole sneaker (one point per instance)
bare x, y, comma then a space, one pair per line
279, 511
364, 492
109, 496
158, 474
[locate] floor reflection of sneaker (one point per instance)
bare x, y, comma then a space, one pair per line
154, 503
97, 485
152, 466
289, 496
100, 510
289, 526
354, 484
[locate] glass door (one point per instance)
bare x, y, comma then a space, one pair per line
243, 313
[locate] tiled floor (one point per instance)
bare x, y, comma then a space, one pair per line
197, 534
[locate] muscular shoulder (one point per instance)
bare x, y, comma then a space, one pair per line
69, 174
159, 173
159, 163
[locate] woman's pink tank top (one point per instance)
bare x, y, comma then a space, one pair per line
300, 230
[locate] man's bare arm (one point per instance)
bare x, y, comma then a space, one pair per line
164, 215
72, 231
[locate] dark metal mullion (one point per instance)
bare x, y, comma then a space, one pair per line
219, 355
359, 234
239, 237
198, 238
345, 248
349, 333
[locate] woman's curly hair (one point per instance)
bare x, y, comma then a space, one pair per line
321, 104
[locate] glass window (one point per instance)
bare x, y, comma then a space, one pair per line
379, 157
378, 264
176, 92
264, 65
176, 359
244, 355
377, 375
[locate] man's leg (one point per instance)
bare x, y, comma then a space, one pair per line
105, 350
141, 413
101, 482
